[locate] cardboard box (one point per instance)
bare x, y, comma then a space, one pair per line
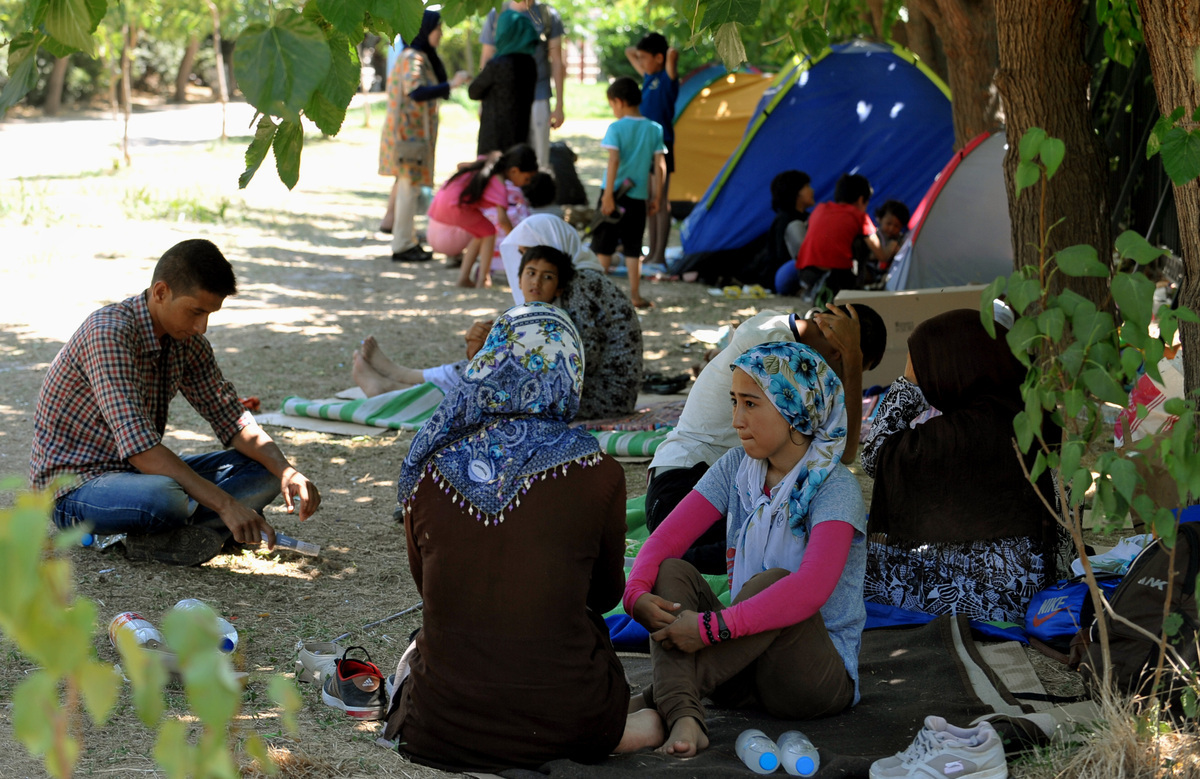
902, 312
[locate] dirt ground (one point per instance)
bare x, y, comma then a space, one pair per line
81, 230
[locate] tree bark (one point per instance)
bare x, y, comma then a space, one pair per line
873, 15
54, 87
222, 90
185, 70
1172, 33
1044, 82
919, 32
967, 29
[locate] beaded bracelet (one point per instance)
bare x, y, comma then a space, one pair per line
707, 619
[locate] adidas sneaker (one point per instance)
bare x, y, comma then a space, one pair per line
355, 687
943, 751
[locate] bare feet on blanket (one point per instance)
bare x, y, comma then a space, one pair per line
685, 740
379, 361
371, 381
636, 703
643, 730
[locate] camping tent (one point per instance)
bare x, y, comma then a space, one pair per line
960, 233
711, 113
859, 107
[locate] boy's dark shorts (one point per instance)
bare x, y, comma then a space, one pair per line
628, 232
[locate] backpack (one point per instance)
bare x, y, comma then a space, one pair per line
1139, 598
1057, 613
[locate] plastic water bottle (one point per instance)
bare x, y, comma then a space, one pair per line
295, 544
229, 634
758, 752
100, 543
798, 755
139, 627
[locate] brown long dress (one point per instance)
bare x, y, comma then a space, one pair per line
513, 666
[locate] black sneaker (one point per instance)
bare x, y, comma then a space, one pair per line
416, 254
187, 545
355, 687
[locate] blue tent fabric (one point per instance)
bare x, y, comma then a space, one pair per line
860, 108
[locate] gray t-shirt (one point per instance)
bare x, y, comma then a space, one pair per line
838, 498
549, 26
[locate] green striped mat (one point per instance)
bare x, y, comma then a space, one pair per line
400, 410
631, 443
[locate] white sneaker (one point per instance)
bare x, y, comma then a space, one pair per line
943, 751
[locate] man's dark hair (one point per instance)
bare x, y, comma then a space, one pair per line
785, 188
654, 43
541, 190
895, 208
193, 265
626, 90
850, 187
556, 257
872, 335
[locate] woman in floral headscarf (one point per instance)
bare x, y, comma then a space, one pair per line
795, 530
513, 665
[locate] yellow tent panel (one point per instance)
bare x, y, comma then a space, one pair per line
710, 128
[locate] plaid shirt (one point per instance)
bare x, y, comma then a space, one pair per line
106, 395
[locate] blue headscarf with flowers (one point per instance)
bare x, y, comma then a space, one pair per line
505, 425
808, 394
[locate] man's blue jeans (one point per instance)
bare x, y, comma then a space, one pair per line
132, 502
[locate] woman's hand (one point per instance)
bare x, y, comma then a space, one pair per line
682, 634
654, 613
460, 78
477, 336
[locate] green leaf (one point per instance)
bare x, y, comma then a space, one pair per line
1124, 476
1132, 246
256, 152
987, 302
346, 16
1080, 260
99, 684
1172, 623
1176, 406
1188, 698
1052, 151
1023, 427
1081, 482
1051, 322
1134, 295
289, 141
1028, 174
1022, 337
22, 69
257, 749
327, 106
728, 41
70, 22
1105, 387
1131, 363
721, 12
34, 710
284, 693
404, 16
1181, 155
1069, 300
814, 37
1031, 143
278, 67
1022, 292
147, 675
172, 751
1072, 403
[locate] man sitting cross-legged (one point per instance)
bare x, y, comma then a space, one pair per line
102, 412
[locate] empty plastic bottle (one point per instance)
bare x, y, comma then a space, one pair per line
798, 755
229, 634
295, 544
101, 542
139, 627
758, 752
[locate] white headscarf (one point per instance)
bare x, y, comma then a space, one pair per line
543, 230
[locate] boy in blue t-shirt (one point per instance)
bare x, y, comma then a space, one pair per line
635, 153
656, 62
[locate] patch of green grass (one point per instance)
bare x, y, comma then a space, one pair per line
27, 203
145, 203
586, 101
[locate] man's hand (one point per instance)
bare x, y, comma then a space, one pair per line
460, 78
477, 336
652, 207
247, 526
557, 117
295, 485
841, 328
607, 204
653, 612
682, 634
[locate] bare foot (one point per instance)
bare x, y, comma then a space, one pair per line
643, 730
686, 738
484, 283
636, 703
641, 302
370, 380
380, 362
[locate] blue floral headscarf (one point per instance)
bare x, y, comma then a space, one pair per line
505, 425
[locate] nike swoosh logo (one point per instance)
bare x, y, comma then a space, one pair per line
1040, 620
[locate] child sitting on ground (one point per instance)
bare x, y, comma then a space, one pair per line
635, 152
542, 194
826, 258
893, 226
461, 201
791, 197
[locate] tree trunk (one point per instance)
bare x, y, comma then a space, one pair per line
1044, 82
873, 15
185, 70
129, 41
222, 91
1172, 33
919, 34
54, 87
968, 32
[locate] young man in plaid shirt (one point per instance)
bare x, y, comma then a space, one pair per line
102, 411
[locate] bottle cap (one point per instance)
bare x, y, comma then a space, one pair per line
227, 646
768, 761
804, 766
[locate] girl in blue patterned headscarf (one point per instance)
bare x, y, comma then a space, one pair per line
505, 424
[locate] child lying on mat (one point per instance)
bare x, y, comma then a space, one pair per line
796, 539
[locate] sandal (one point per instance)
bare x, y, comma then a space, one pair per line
316, 660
